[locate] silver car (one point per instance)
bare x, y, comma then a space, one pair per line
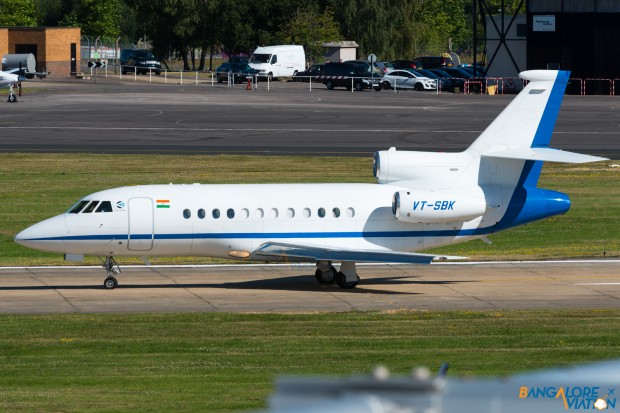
407, 79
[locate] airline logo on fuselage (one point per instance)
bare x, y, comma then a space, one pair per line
435, 206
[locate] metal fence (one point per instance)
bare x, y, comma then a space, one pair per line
489, 85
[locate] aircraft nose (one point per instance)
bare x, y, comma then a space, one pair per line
48, 235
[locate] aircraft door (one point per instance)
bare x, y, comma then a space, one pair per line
140, 224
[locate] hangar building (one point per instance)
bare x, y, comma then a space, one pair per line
55, 48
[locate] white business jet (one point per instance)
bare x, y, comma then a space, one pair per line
422, 200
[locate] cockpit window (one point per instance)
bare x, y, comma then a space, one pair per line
78, 207
104, 206
90, 208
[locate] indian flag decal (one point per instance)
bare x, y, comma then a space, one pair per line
163, 203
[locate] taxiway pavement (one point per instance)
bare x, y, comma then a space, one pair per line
113, 116
292, 288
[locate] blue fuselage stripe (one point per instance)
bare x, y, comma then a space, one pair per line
279, 235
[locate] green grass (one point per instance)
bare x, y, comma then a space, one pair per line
35, 187
224, 362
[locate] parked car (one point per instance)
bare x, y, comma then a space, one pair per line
407, 79
365, 66
476, 83
139, 61
434, 62
313, 71
384, 67
406, 64
457, 83
239, 71
444, 82
349, 75
470, 69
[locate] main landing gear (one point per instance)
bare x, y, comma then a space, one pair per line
112, 269
345, 278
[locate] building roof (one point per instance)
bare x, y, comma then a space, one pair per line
341, 44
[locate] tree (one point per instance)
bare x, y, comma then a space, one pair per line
17, 13
51, 12
311, 29
95, 17
445, 21
365, 22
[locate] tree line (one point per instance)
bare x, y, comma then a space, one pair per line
195, 29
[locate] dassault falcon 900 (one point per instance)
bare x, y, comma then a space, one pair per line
422, 200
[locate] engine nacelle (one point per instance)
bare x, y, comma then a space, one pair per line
440, 167
438, 206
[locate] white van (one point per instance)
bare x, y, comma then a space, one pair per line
276, 61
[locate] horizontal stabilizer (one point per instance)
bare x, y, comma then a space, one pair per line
544, 154
311, 252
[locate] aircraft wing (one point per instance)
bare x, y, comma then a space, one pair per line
317, 253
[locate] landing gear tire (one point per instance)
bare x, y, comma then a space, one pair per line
110, 283
327, 276
342, 282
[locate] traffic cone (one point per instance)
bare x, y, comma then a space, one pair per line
249, 86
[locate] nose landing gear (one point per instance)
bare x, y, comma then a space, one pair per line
112, 269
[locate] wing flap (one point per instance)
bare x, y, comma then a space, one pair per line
317, 253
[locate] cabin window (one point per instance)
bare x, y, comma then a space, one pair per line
321, 212
350, 212
78, 207
230, 213
336, 212
245, 213
307, 213
104, 206
290, 213
201, 213
274, 213
90, 208
260, 213
187, 213
215, 213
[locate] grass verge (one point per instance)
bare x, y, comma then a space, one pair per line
225, 362
38, 186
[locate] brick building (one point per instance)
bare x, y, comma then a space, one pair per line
55, 48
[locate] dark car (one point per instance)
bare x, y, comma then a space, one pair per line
240, 71
349, 75
444, 82
306, 75
474, 84
434, 62
366, 66
455, 82
470, 69
406, 64
139, 61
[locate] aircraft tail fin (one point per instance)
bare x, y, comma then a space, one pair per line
528, 121
518, 139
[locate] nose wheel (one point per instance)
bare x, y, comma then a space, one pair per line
110, 283
112, 269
